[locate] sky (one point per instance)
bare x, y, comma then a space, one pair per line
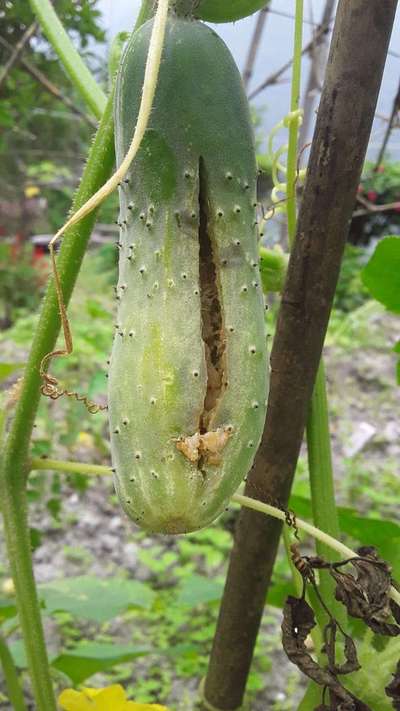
274, 52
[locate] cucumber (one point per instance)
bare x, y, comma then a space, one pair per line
188, 372
220, 10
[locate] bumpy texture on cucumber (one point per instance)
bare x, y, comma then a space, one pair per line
219, 10
188, 374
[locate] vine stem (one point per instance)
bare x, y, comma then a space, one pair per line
149, 88
80, 75
146, 12
57, 465
322, 487
294, 119
240, 499
14, 469
14, 691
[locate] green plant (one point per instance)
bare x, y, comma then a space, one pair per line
381, 276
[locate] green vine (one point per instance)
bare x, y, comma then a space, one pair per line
14, 466
268, 509
14, 463
70, 58
294, 123
13, 686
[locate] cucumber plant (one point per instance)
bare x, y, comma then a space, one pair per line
188, 269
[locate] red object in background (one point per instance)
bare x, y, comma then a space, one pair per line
380, 169
38, 252
397, 208
372, 195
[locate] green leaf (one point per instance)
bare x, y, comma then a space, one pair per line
8, 609
89, 658
381, 275
278, 592
93, 598
198, 590
18, 653
369, 683
7, 369
368, 531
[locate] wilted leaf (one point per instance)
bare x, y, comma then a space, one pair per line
366, 596
383, 534
298, 621
350, 652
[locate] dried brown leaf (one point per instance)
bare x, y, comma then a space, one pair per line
351, 663
298, 621
366, 595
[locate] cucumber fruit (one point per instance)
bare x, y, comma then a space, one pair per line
227, 10
220, 10
188, 373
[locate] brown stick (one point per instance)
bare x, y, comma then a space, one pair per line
49, 86
16, 52
254, 46
273, 78
360, 38
371, 207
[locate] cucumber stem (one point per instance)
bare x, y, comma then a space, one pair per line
323, 489
294, 122
13, 470
250, 503
71, 60
57, 465
13, 465
149, 89
11, 678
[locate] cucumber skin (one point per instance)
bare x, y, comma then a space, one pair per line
157, 379
220, 10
